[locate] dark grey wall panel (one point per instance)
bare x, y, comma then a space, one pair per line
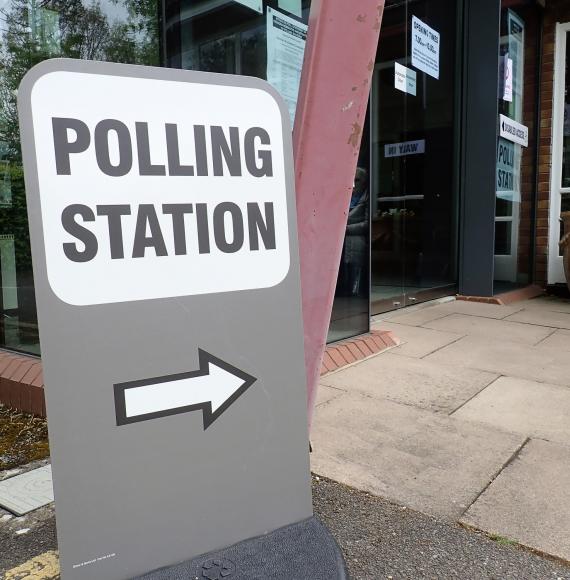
481, 66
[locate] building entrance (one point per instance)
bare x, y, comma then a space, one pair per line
414, 158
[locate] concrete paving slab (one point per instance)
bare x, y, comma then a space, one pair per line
558, 340
542, 317
409, 381
417, 316
417, 342
434, 464
326, 394
481, 309
504, 358
526, 407
24, 493
499, 329
528, 501
552, 303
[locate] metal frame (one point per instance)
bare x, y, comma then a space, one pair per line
555, 267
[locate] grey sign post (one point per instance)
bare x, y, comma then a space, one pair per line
163, 228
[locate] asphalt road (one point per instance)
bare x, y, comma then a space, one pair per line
379, 540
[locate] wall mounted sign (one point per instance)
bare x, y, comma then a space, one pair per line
405, 148
405, 79
513, 131
163, 237
425, 48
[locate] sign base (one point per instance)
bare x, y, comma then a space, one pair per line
299, 551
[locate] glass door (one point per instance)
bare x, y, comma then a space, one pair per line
414, 198
560, 179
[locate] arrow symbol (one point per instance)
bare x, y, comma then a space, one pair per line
212, 389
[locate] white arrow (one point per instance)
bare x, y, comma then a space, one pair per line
211, 389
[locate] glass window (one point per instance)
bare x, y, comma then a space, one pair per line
246, 37
32, 31
515, 168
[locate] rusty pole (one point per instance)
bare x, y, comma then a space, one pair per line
333, 97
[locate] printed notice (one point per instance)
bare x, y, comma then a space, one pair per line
425, 48
513, 131
405, 79
256, 5
508, 75
405, 148
292, 6
286, 40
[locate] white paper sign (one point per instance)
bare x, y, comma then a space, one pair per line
286, 38
405, 148
256, 5
508, 90
405, 79
109, 237
293, 6
513, 131
425, 48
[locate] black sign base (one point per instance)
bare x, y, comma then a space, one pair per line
301, 551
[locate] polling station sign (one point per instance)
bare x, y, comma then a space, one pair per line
164, 245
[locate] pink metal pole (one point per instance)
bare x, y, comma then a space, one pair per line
339, 60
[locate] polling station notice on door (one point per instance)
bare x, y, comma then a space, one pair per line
425, 48
286, 38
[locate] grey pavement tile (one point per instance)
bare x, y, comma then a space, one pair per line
326, 394
542, 317
552, 303
416, 382
528, 501
526, 407
434, 464
499, 329
505, 358
417, 316
417, 341
24, 493
481, 309
558, 340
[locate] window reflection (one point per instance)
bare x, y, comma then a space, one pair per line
30, 32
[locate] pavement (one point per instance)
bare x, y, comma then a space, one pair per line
446, 457
465, 421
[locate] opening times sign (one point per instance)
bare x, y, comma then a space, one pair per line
425, 48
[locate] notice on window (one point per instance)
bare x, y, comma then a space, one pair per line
405, 79
513, 131
286, 40
256, 5
292, 6
508, 82
425, 48
405, 148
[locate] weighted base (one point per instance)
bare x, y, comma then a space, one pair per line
303, 551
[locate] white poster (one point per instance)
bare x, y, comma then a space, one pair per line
405, 148
286, 40
508, 87
256, 5
405, 79
513, 131
425, 48
293, 6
